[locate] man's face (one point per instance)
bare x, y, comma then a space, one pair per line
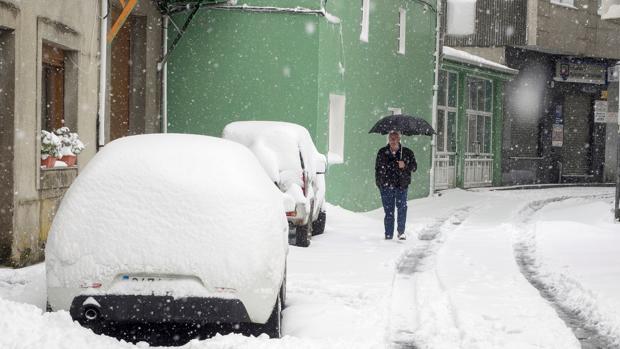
394, 139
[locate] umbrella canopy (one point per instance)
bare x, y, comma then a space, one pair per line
405, 124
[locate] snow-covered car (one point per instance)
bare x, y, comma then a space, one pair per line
170, 228
293, 163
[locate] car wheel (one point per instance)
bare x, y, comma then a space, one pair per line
303, 234
318, 226
273, 326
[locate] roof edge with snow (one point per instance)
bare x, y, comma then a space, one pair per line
459, 56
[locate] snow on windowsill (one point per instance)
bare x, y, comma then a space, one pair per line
563, 5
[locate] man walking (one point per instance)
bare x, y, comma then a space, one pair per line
393, 169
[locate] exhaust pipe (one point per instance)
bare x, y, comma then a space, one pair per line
91, 313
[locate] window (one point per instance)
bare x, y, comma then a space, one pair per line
395, 111
336, 128
53, 88
479, 115
402, 28
446, 112
365, 20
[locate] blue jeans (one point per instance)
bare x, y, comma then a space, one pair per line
394, 198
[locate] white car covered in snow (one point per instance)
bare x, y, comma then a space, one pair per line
170, 228
293, 163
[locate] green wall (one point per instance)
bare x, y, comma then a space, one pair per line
375, 78
233, 65
236, 65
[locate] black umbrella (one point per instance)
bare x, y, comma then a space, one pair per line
405, 124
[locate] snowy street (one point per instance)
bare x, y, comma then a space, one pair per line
463, 279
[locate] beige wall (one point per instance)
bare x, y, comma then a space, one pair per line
73, 25
576, 31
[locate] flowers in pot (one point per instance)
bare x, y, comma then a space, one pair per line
50, 148
61, 144
70, 145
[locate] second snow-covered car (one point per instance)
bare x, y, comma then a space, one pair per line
293, 163
170, 228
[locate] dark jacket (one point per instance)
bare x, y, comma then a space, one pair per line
387, 173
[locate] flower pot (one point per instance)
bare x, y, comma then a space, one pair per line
48, 162
69, 159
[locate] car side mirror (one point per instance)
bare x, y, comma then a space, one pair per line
320, 164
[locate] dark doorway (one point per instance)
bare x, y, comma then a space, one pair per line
128, 77
7, 98
120, 79
577, 150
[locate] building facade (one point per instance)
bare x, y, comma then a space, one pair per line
331, 66
49, 78
469, 121
555, 129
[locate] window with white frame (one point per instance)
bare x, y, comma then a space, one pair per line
446, 112
365, 20
479, 115
336, 128
395, 111
569, 3
402, 30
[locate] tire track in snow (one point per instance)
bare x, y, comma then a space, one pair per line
586, 331
403, 318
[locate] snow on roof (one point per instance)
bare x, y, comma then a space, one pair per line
453, 54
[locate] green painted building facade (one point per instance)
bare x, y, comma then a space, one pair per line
317, 63
469, 121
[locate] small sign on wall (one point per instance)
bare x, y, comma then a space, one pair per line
600, 111
580, 72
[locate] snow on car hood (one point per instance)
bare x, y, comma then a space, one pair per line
170, 204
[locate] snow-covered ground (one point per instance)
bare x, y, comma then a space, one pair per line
455, 283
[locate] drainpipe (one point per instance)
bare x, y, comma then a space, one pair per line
438, 44
103, 65
617, 200
163, 67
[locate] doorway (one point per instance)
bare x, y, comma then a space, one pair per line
577, 150
478, 159
7, 136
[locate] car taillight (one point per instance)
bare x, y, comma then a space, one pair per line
291, 213
92, 285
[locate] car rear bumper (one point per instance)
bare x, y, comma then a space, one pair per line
156, 309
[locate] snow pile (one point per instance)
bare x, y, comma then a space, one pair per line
132, 211
25, 285
23, 326
578, 250
466, 290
